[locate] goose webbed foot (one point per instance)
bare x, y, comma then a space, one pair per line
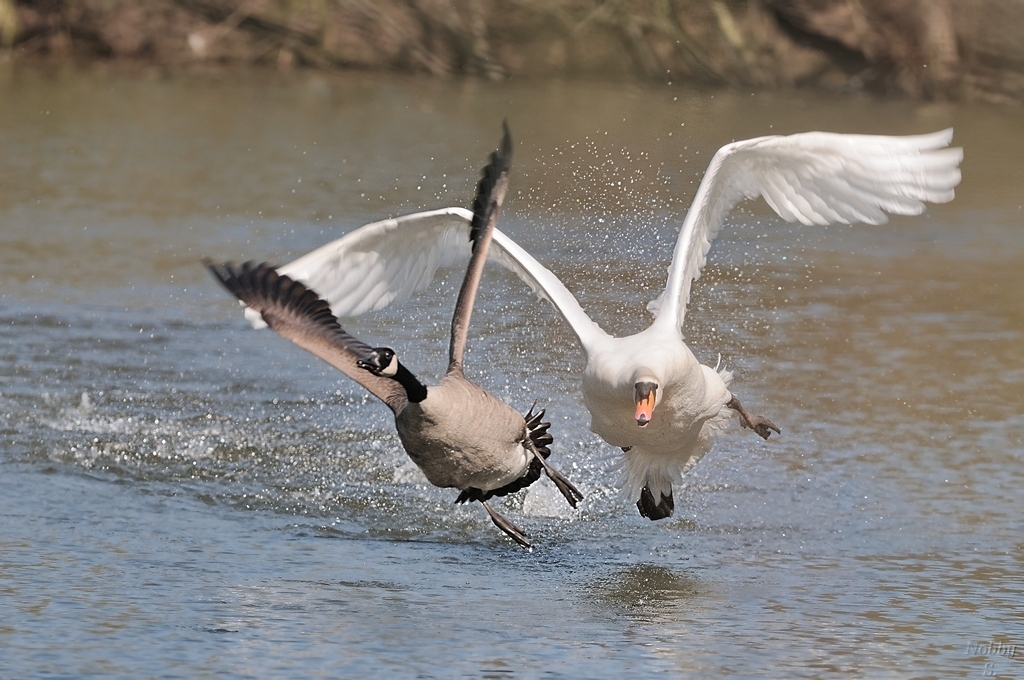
537, 442
655, 510
571, 493
568, 489
759, 424
506, 525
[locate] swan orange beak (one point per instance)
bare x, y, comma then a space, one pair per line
644, 411
643, 395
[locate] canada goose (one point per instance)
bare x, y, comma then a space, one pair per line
647, 393
459, 434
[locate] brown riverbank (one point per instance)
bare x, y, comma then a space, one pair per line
942, 49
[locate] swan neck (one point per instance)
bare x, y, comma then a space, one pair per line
667, 320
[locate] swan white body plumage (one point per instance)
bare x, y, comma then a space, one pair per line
815, 178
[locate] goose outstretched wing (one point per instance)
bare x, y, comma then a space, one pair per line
300, 315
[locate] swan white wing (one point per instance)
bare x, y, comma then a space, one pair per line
547, 286
811, 178
382, 262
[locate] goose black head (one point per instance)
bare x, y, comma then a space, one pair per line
380, 361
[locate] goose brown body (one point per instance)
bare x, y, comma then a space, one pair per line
459, 435
485, 452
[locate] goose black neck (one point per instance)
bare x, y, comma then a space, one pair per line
491, 191
414, 389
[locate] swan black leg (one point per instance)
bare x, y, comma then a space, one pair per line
655, 510
758, 424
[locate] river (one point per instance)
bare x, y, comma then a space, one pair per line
183, 496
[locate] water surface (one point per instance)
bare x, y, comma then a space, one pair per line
183, 496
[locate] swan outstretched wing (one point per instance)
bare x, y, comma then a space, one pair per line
811, 178
383, 262
547, 286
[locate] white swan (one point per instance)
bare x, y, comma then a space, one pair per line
647, 393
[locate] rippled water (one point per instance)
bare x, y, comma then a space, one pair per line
183, 496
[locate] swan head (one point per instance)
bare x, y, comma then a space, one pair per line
380, 361
646, 395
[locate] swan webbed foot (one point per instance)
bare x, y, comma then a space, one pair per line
759, 424
655, 510
763, 427
506, 525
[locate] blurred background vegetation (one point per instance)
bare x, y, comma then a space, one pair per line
929, 49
